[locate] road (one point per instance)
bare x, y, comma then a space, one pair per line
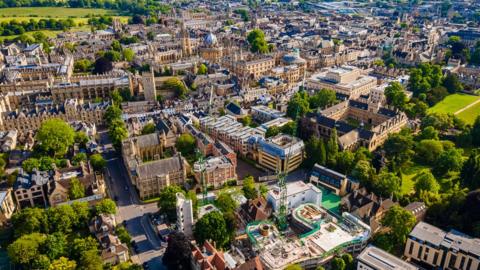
131, 210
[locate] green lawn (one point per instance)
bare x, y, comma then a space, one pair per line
51, 33
470, 114
453, 103
53, 12
407, 178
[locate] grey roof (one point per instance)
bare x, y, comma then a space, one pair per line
454, 240
147, 140
159, 167
429, 233
380, 259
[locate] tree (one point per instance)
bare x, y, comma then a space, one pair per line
63, 263
102, 65
178, 253
256, 39
26, 248
148, 129
246, 121
400, 222
116, 98
226, 203
322, 99
293, 267
106, 206
29, 220
331, 148
167, 201
398, 148
78, 158
202, 69
83, 65
76, 190
128, 54
117, 132
98, 162
116, 46
82, 212
185, 144
450, 160
61, 218
112, 113
452, 84
475, 132
211, 226
348, 259
344, 162
338, 264
387, 184
272, 131
425, 181
363, 172
396, 96
55, 136
427, 151
81, 245
176, 85
248, 188
90, 260
112, 56
123, 235
30, 164
428, 133
289, 128
81, 138
55, 245
470, 175
298, 105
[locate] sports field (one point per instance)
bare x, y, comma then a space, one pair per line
79, 16
453, 103
52, 12
469, 115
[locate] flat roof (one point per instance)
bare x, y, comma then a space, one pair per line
380, 259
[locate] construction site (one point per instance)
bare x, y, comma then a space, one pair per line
312, 238
302, 231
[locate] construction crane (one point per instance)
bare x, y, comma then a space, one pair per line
201, 159
282, 174
202, 169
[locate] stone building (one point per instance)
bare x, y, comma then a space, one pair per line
147, 167
26, 119
357, 124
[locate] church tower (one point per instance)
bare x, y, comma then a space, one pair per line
186, 42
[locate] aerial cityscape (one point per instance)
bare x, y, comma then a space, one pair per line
240, 135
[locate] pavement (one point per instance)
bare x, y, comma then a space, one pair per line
131, 210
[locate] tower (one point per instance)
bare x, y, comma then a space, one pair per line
148, 84
282, 172
186, 42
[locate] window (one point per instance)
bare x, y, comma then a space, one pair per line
410, 250
435, 258
420, 250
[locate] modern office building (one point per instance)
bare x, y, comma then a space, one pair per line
297, 193
438, 249
280, 153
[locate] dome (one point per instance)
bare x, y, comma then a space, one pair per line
210, 40
293, 58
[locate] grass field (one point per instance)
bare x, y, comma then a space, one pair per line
52, 12
79, 15
408, 176
470, 114
453, 103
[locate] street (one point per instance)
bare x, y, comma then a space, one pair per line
131, 210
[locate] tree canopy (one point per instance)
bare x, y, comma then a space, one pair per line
56, 136
211, 226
